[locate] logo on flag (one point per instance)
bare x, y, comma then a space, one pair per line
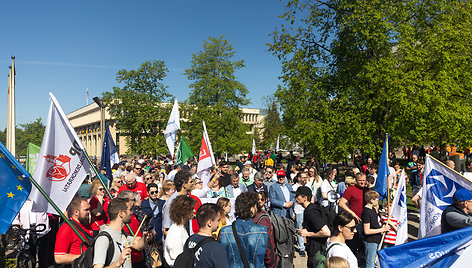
60, 169
204, 153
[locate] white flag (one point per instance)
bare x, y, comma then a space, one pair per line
253, 147
399, 210
206, 159
277, 147
62, 165
172, 126
439, 185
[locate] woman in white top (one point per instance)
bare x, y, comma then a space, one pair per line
328, 190
344, 229
181, 211
314, 182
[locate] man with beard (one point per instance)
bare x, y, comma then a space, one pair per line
119, 212
68, 242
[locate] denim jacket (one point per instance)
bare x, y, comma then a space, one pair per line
253, 239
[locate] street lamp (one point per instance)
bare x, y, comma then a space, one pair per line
100, 104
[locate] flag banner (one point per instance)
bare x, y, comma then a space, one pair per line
439, 185
15, 188
206, 158
183, 153
278, 142
109, 153
32, 157
399, 210
381, 184
253, 147
62, 165
172, 126
436, 251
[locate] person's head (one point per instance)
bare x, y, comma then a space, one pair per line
182, 209
361, 180
225, 205
235, 180
337, 262
224, 167
349, 181
147, 178
261, 200
371, 197
303, 195
153, 190
168, 188
450, 164
396, 165
248, 164
208, 216
312, 173
118, 182
246, 173
281, 176
97, 188
79, 210
414, 158
128, 196
183, 180
302, 178
246, 205
370, 161
137, 169
198, 183
373, 168
345, 225
130, 180
329, 174
119, 209
258, 180
462, 198
370, 181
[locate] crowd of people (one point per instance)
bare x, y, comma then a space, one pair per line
229, 221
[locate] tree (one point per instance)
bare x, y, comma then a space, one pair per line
272, 123
356, 70
215, 98
140, 107
31, 132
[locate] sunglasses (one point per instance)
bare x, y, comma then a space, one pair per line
101, 189
153, 192
119, 181
352, 228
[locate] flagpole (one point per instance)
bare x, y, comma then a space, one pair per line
40, 189
388, 202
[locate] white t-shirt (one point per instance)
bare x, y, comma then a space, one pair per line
102, 243
327, 187
298, 209
174, 245
343, 251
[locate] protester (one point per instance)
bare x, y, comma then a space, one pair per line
134, 186
298, 210
337, 262
344, 228
167, 190
354, 196
328, 189
258, 184
253, 236
116, 184
236, 187
217, 190
372, 228
271, 258
200, 190
459, 214
97, 202
210, 253
84, 189
225, 176
119, 212
181, 211
152, 207
281, 197
315, 227
269, 177
314, 182
225, 220
68, 243
246, 177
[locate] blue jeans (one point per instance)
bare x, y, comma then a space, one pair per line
299, 222
370, 254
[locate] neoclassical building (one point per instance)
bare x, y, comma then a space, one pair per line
86, 122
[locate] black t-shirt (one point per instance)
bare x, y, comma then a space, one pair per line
313, 222
211, 254
369, 215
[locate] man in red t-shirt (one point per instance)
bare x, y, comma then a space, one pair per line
67, 241
354, 195
134, 186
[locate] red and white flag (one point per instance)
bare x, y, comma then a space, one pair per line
206, 159
62, 165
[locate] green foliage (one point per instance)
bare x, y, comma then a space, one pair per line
355, 70
215, 98
272, 124
31, 132
138, 107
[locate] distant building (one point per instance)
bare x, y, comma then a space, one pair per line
86, 122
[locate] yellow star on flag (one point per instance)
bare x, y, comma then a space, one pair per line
13, 166
20, 178
2, 156
10, 194
19, 188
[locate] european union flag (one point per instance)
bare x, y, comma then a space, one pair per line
14, 188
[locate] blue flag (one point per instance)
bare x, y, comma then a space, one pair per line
14, 188
436, 251
109, 154
381, 184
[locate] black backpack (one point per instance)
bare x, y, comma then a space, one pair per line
186, 258
284, 233
328, 216
85, 260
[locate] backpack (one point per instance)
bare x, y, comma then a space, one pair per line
322, 255
186, 258
284, 233
328, 216
85, 260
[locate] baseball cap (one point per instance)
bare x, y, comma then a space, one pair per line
463, 195
303, 190
280, 173
247, 163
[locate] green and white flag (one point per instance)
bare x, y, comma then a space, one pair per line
32, 157
183, 153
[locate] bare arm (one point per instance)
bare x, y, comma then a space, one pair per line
324, 232
369, 231
65, 258
343, 205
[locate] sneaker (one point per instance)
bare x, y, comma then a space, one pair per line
302, 253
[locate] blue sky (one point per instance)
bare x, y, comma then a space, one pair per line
65, 47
